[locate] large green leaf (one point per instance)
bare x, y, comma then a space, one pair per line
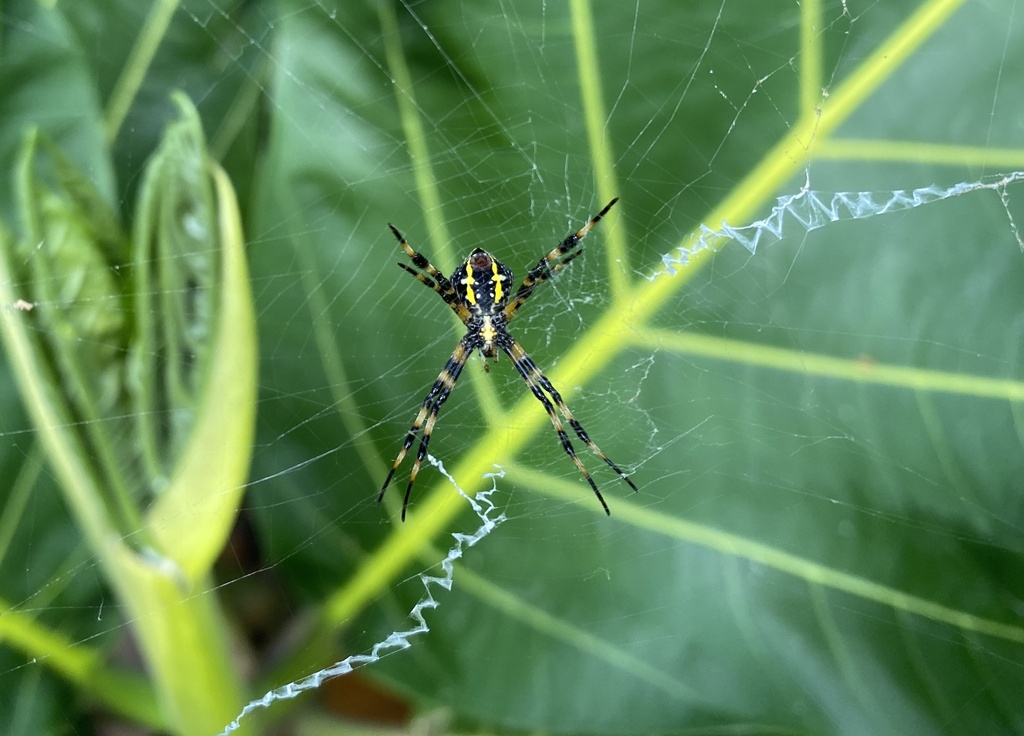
826, 433
827, 536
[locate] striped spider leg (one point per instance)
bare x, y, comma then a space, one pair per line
544, 270
539, 384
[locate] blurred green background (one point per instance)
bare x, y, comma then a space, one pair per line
827, 433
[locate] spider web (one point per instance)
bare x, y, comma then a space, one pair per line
799, 331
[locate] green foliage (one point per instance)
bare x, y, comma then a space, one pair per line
136, 363
826, 434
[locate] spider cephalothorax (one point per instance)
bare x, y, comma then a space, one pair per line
479, 292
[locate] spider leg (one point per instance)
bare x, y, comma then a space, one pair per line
425, 280
544, 268
538, 384
435, 398
439, 283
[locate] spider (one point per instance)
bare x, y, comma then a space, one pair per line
479, 293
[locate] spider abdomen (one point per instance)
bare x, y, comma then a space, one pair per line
482, 282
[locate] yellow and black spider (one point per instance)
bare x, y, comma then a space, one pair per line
479, 293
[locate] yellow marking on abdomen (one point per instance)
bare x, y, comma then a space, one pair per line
497, 278
468, 283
